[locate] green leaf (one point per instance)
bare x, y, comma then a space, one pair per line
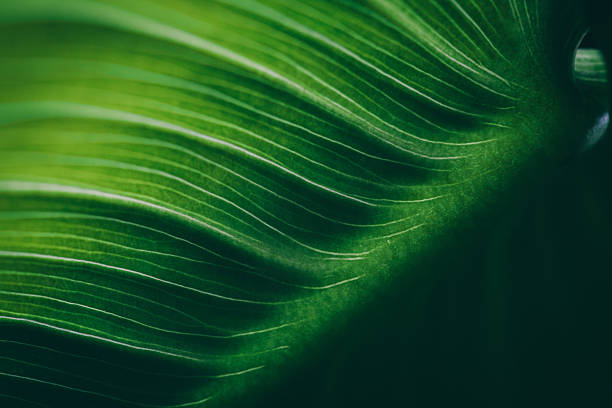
193, 195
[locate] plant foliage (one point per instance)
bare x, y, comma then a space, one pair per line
193, 192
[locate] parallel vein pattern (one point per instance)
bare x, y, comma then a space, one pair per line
179, 180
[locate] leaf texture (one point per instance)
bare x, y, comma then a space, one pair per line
191, 191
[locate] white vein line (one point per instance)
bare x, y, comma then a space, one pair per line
17, 254
134, 369
98, 394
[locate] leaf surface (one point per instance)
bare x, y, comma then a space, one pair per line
192, 192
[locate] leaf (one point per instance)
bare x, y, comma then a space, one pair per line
194, 194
